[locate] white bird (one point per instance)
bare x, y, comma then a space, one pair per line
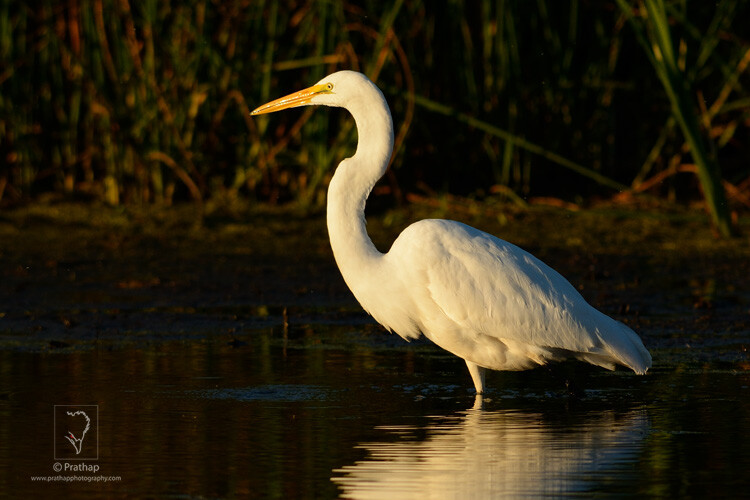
481, 298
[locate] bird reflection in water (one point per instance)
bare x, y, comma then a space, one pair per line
496, 454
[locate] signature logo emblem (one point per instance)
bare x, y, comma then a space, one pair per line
76, 432
78, 442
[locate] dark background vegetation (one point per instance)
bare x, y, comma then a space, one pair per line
147, 102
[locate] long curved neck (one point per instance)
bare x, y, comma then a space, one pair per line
351, 185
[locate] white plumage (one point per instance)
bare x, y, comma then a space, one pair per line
475, 295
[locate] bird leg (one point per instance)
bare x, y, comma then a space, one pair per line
477, 375
478, 403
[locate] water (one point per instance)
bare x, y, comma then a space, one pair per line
213, 420
231, 372
498, 453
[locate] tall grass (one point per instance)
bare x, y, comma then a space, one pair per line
148, 102
658, 46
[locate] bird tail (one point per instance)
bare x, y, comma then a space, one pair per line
619, 345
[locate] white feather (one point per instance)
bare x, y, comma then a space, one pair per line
477, 296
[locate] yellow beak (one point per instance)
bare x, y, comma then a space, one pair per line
293, 100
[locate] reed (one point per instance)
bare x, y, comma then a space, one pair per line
147, 102
658, 46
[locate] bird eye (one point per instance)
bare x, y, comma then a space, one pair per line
329, 86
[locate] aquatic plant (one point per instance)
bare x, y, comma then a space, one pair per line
148, 102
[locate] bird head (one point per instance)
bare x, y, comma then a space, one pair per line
334, 90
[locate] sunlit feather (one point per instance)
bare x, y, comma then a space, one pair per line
477, 296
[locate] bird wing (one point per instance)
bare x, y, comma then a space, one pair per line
489, 286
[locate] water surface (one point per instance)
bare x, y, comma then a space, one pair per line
230, 363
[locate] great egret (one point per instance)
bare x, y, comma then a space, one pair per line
483, 299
